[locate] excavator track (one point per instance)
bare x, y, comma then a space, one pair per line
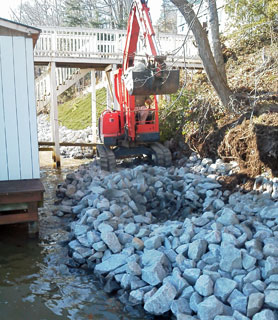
107, 158
163, 156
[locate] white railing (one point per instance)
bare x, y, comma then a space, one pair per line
43, 81
84, 43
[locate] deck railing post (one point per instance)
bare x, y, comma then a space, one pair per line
94, 105
53, 43
54, 117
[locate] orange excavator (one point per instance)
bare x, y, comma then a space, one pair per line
132, 129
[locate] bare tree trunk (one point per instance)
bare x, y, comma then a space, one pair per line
223, 91
215, 38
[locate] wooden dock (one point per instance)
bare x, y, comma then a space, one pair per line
19, 201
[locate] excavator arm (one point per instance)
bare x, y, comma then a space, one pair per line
128, 131
139, 21
137, 78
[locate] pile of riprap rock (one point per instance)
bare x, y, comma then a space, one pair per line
172, 240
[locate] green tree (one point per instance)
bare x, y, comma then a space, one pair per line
73, 13
167, 21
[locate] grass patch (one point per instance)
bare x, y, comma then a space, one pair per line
76, 114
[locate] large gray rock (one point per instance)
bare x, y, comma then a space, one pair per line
269, 212
149, 294
252, 276
153, 243
183, 316
131, 228
161, 301
271, 298
248, 261
93, 237
195, 300
248, 289
187, 292
238, 301
271, 249
104, 227
196, 249
153, 256
255, 303
115, 209
239, 316
80, 229
137, 283
224, 287
99, 246
111, 240
228, 217
177, 281
210, 185
210, 308
259, 285
271, 266
124, 238
154, 274
103, 205
213, 236
127, 281
265, 315
105, 215
231, 258
254, 247
134, 268
137, 243
191, 275
136, 296
204, 285
112, 263
180, 305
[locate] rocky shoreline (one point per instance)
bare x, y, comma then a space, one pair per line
66, 135
173, 241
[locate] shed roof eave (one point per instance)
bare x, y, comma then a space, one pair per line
12, 25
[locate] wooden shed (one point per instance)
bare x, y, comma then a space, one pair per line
20, 185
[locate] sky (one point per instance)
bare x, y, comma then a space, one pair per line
6, 5
154, 6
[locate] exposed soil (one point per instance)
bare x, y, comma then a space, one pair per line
248, 134
250, 141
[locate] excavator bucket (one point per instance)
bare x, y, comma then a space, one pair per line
146, 83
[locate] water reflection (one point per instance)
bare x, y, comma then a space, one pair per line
35, 282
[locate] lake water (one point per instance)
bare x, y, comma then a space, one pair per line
35, 282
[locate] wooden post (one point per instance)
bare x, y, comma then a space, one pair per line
94, 105
54, 117
33, 226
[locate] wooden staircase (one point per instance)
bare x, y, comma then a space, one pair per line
65, 78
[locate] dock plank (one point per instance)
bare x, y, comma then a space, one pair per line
20, 186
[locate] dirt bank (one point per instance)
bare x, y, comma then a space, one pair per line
253, 143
